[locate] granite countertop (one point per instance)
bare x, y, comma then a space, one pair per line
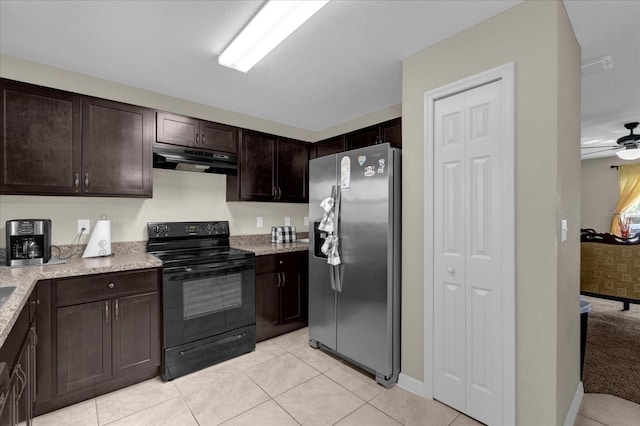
261, 244
126, 256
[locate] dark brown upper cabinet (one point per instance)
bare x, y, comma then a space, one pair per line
59, 143
328, 146
41, 146
386, 132
271, 168
116, 148
186, 131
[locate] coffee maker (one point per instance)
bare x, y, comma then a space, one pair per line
28, 241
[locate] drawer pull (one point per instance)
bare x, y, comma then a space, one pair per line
111, 285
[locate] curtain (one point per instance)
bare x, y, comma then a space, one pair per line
629, 176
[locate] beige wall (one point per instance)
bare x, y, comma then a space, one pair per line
533, 35
568, 164
600, 191
174, 197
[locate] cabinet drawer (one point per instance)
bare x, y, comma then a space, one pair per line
280, 262
70, 291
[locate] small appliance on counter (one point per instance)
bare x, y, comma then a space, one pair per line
28, 241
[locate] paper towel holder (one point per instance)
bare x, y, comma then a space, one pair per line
100, 241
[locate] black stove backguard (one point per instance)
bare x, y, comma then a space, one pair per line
208, 295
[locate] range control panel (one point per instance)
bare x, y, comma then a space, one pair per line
188, 229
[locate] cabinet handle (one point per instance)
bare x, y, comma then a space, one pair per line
284, 279
86, 181
197, 139
111, 285
203, 140
76, 181
35, 336
116, 310
278, 284
36, 302
106, 311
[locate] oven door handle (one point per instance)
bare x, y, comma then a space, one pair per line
242, 264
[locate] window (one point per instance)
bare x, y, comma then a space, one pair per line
633, 213
627, 206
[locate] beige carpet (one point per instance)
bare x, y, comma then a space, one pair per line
612, 354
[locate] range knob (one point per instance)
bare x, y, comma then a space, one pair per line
209, 228
156, 229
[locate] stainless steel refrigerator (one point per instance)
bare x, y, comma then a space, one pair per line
354, 305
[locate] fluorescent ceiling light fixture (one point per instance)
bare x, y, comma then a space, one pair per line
629, 154
275, 22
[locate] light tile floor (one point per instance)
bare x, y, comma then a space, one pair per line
285, 382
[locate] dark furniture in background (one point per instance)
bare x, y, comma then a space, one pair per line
270, 168
19, 354
191, 132
281, 293
60, 143
98, 333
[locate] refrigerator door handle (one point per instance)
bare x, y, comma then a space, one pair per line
332, 277
338, 278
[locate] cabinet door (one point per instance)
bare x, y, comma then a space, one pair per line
83, 345
391, 132
176, 129
218, 137
330, 146
363, 137
257, 166
40, 145
135, 333
267, 305
116, 148
293, 296
293, 163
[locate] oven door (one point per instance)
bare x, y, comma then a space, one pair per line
206, 300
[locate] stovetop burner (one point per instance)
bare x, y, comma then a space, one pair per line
190, 243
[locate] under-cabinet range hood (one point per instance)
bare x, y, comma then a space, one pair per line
193, 160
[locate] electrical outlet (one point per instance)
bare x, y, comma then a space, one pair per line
287, 221
84, 223
306, 221
259, 222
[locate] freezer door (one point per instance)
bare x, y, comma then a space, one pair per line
366, 303
322, 299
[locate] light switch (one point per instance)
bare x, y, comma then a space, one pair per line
287, 221
306, 221
259, 222
564, 228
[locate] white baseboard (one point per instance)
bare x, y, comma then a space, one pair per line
575, 406
412, 385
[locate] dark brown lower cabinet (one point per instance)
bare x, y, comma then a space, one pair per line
103, 334
281, 293
18, 354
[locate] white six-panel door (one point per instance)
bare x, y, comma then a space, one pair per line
467, 252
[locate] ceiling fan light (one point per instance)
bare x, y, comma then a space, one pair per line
631, 153
273, 23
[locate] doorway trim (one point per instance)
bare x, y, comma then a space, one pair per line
506, 73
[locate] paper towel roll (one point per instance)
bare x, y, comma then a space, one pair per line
100, 241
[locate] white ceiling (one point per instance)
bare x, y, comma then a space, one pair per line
345, 62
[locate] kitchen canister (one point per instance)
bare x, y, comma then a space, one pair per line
283, 234
100, 241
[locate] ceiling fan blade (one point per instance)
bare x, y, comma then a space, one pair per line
596, 152
600, 147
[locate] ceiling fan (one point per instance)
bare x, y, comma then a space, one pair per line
629, 143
